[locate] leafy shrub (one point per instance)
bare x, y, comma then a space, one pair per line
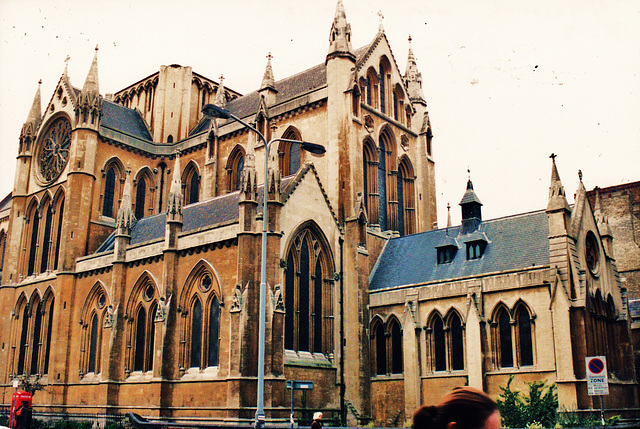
539, 409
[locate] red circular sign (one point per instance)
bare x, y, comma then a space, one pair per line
596, 365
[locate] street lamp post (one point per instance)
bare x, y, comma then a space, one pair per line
212, 111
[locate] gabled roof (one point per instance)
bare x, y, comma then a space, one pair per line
124, 120
514, 242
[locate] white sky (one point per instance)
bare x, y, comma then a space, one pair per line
507, 82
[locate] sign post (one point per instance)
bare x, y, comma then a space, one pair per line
297, 385
597, 379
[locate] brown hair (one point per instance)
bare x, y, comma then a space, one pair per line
469, 408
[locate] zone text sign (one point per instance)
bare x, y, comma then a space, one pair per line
597, 381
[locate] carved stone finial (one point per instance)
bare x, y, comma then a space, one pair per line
580, 175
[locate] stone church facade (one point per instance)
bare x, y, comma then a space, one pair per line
131, 254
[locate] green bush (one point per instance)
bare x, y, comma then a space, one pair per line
4, 420
539, 409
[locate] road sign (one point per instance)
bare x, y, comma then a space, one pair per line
299, 385
597, 380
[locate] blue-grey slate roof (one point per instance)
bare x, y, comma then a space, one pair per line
514, 242
214, 212
288, 88
124, 120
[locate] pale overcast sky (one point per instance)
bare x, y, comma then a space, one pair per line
507, 82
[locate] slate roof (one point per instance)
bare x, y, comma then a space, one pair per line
288, 88
514, 242
203, 215
124, 120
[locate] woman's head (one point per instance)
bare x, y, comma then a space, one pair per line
317, 415
461, 408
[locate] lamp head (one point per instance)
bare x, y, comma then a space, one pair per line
213, 111
314, 148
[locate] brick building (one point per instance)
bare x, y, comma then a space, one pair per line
131, 272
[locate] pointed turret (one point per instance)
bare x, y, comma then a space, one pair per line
413, 79
268, 86
175, 199
30, 127
125, 211
471, 209
89, 108
340, 36
248, 177
557, 195
124, 222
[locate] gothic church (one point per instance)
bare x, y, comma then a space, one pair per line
131, 254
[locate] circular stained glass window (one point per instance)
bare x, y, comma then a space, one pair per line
101, 300
592, 253
54, 150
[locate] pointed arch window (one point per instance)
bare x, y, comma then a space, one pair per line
23, 340
379, 348
289, 154
143, 306
113, 178
235, 165
36, 341
95, 311
56, 253
386, 347
196, 334
395, 343
505, 339
446, 342
191, 184
35, 335
308, 293
525, 346
382, 184
201, 332
109, 193
513, 337
406, 198
398, 103
33, 246
94, 365
46, 239
144, 193
370, 180
141, 196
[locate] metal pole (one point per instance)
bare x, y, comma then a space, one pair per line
214, 111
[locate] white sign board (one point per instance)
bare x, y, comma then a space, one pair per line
597, 380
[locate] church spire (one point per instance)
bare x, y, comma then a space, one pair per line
413, 78
175, 199
268, 86
557, 195
268, 80
28, 132
89, 109
340, 36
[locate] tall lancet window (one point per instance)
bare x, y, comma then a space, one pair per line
382, 185
308, 296
141, 196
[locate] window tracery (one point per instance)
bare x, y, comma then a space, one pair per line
308, 294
